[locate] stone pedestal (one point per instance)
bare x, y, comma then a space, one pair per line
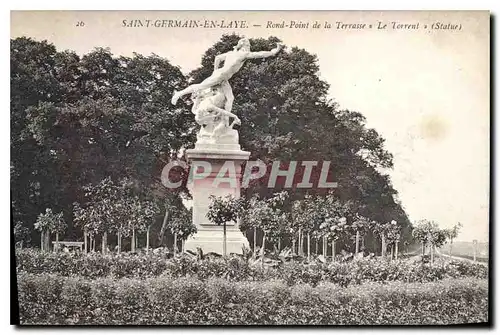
210, 236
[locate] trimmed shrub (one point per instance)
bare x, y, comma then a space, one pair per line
236, 269
52, 299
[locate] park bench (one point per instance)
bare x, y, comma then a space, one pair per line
68, 244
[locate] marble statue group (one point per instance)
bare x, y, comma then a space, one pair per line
213, 97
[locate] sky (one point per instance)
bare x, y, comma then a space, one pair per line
425, 91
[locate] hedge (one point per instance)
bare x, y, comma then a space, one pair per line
96, 265
53, 299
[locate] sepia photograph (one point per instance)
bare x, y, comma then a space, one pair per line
240, 168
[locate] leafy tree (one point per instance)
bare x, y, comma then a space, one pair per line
393, 234
419, 233
32, 81
181, 225
142, 215
282, 230
279, 205
269, 216
303, 215
437, 239
335, 224
336, 229
102, 211
429, 233
21, 234
360, 226
172, 203
388, 232
223, 210
47, 223
249, 220
278, 225
316, 214
452, 234
267, 222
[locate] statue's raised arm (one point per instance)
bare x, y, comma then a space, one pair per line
265, 54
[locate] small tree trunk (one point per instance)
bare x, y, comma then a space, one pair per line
432, 254
333, 250
92, 242
323, 245
119, 241
132, 242
308, 247
42, 240
325, 241
397, 247
224, 240
324, 252
449, 252
301, 249
383, 245
85, 236
147, 240
263, 249
316, 246
104, 242
301, 243
254, 242
294, 242
423, 249
57, 241
175, 243
47, 240
163, 226
392, 251
357, 243
183, 245
279, 244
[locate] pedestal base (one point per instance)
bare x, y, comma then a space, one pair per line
210, 236
211, 241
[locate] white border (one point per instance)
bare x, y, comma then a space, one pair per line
192, 5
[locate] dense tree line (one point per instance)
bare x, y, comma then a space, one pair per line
76, 121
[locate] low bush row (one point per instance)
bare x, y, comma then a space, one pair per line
54, 299
95, 265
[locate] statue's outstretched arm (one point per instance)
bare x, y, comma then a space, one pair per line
264, 54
